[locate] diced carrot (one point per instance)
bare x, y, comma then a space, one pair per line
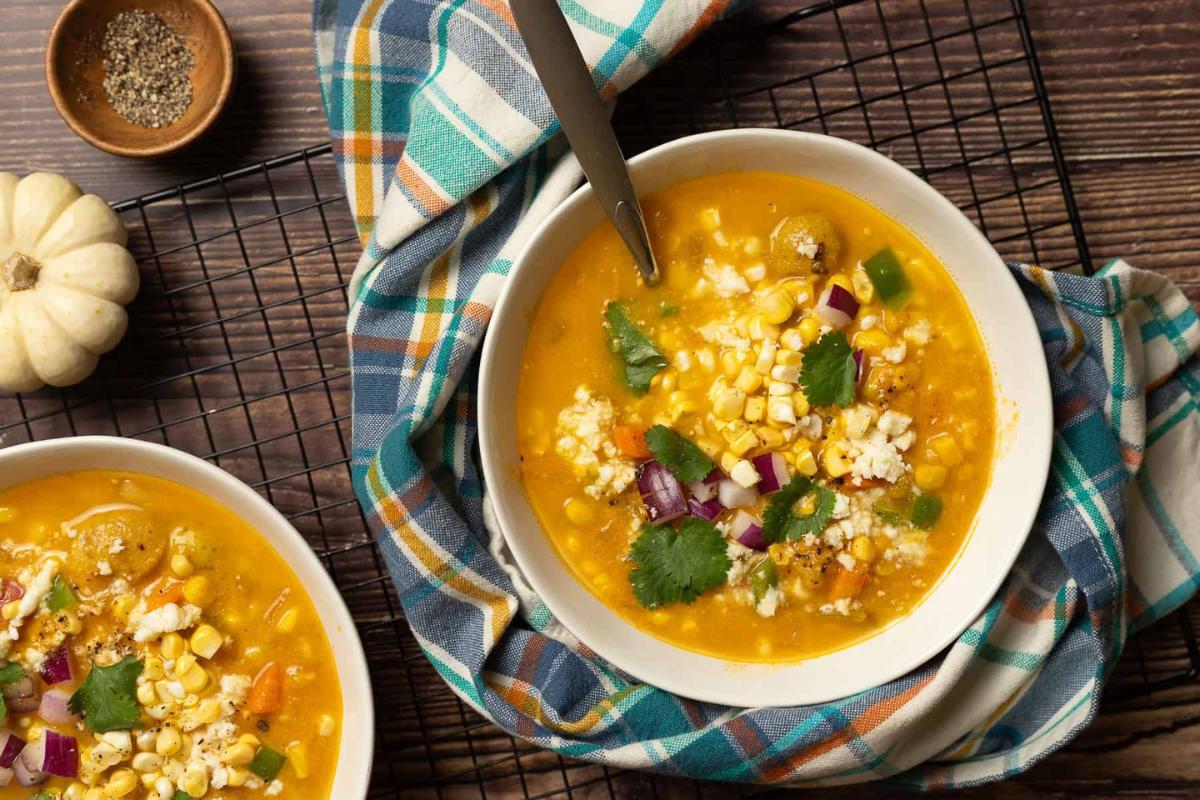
266, 695
631, 440
846, 583
162, 592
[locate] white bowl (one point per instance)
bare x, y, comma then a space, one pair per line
26, 462
1024, 422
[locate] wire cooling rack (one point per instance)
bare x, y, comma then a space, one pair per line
237, 350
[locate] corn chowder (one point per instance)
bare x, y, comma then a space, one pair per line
777, 451
152, 645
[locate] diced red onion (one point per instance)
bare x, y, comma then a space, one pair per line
20, 696
708, 510
57, 667
733, 495
54, 708
10, 747
773, 471
706, 489
6, 776
10, 590
860, 360
28, 777
837, 306
52, 754
661, 493
748, 531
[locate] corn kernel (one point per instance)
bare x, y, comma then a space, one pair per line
120, 783
207, 640
169, 741
326, 725
236, 776
863, 549
146, 695
800, 404
770, 438
10, 609
706, 359
709, 218
947, 449
194, 782
152, 668
250, 739
835, 461
792, 339
748, 380
184, 663
755, 408
172, 645
730, 363
195, 679
810, 329
761, 329
929, 476
72, 625
728, 462
709, 447
197, 590
752, 245
840, 280
785, 374
766, 356
873, 341
864, 290
579, 512
743, 443
744, 474
94, 793
970, 435
728, 403
297, 758
779, 388
776, 307
779, 410
789, 358
181, 566
146, 762
75, 791
805, 463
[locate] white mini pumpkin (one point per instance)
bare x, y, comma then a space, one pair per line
65, 277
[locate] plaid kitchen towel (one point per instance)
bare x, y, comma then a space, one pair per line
450, 156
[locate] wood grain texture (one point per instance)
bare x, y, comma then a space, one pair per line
1122, 80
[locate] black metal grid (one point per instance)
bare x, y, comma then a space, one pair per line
237, 350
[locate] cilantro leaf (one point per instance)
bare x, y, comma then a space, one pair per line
677, 566
9, 674
828, 371
107, 698
780, 520
641, 360
763, 578
686, 461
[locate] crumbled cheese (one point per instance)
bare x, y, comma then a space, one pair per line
912, 547
876, 457
756, 272
847, 561
771, 600
583, 440
841, 607
274, 788
724, 335
905, 440
740, 557
896, 353
841, 506
857, 419
893, 423
867, 322
165, 619
725, 279
36, 588
744, 474
808, 247
117, 546
809, 426
104, 568
919, 332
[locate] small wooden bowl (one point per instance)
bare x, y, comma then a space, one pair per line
75, 74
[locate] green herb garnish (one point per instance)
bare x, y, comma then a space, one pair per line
267, 763
828, 371
42, 796
641, 360
667, 309
677, 566
9, 674
180, 794
763, 578
686, 461
107, 698
60, 595
888, 278
780, 520
926, 510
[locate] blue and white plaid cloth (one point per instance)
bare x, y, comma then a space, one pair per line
451, 155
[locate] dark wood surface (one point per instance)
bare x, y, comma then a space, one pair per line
1121, 78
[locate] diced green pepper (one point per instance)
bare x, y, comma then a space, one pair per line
892, 516
60, 595
926, 510
763, 578
267, 763
888, 278
42, 796
180, 794
667, 309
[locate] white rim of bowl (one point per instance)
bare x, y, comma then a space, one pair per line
1022, 321
356, 686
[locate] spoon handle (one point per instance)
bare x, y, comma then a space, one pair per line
585, 121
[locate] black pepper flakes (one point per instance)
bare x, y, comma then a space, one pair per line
146, 67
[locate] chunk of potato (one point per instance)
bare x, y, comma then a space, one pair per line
804, 243
126, 539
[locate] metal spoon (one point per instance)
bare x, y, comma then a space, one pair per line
568, 84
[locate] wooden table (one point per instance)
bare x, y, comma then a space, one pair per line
1122, 80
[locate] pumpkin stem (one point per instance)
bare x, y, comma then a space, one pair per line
20, 272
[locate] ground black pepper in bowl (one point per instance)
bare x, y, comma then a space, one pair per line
146, 69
